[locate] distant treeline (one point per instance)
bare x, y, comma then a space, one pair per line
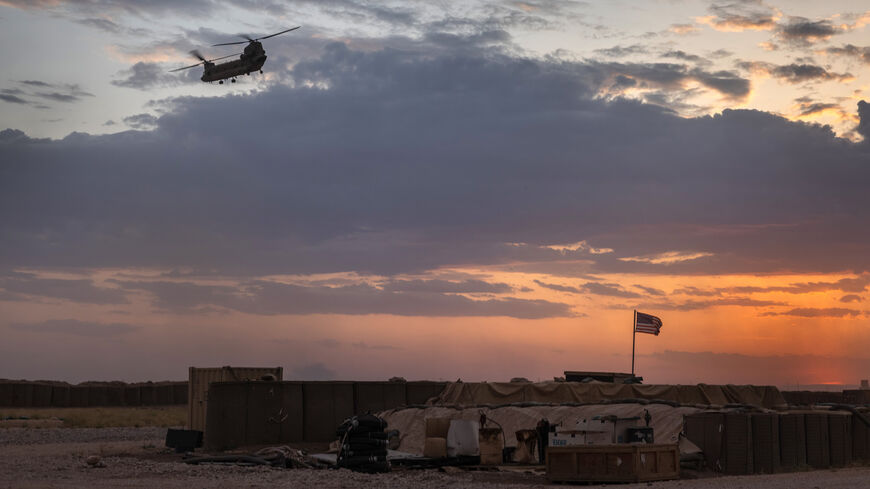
90, 394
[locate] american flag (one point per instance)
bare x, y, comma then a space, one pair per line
647, 323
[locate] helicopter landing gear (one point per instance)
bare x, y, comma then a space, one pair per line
234, 80
221, 82
261, 72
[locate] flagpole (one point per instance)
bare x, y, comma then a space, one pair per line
633, 334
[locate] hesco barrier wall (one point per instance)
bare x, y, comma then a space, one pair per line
744, 443
255, 413
60, 394
199, 380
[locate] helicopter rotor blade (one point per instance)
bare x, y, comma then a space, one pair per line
230, 43
257, 39
277, 33
186, 67
198, 55
224, 57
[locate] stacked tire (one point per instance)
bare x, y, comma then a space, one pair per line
363, 444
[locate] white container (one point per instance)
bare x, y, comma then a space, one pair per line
462, 438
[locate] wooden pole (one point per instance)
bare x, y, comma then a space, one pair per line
633, 334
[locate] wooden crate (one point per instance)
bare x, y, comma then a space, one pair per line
613, 463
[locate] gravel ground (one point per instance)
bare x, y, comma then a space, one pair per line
135, 458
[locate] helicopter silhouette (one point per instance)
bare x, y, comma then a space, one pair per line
251, 60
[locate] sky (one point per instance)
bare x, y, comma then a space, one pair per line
442, 190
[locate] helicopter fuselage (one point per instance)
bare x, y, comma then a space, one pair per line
251, 60
232, 69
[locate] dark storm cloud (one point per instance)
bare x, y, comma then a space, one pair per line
22, 287
813, 312
388, 161
560, 288
738, 15
269, 298
861, 53
794, 73
76, 327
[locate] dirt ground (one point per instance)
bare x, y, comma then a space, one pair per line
136, 458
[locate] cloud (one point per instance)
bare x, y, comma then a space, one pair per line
794, 73
76, 327
270, 298
65, 93
470, 286
609, 290
622, 51
347, 169
145, 76
850, 284
808, 109
141, 121
816, 312
672, 77
692, 58
683, 29
649, 290
851, 298
102, 24
861, 53
558, 287
741, 15
22, 287
13, 99
668, 257
718, 302
803, 32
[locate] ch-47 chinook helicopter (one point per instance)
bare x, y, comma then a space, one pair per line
250, 60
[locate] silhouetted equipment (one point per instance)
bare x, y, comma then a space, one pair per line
251, 60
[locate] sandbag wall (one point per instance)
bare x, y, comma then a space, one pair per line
745, 443
263, 412
26, 394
